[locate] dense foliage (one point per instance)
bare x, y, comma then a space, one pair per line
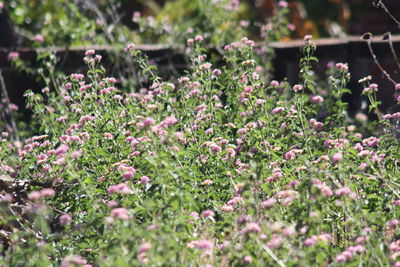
221, 166
219, 169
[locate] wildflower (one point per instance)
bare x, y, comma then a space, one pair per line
342, 67
120, 213
317, 99
90, 52
194, 215
260, 102
74, 260
77, 76
370, 142
297, 87
343, 191
215, 149
198, 38
12, 56
128, 175
108, 135
393, 223
311, 241
168, 121
275, 242
307, 39
34, 195
251, 228
112, 204
325, 190
207, 182
144, 248
346, 255
370, 89
204, 245
274, 83
283, 4
65, 219
208, 213
200, 108
248, 259
190, 41
268, 203
119, 188
277, 110
130, 47
144, 180
337, 157
205, 66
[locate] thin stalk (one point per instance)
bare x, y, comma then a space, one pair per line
383, 6
388, 37
8, 110
387, 75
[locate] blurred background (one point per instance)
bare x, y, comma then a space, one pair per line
77, 22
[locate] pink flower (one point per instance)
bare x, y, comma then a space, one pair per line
12, 56
325, 190
144, 248
343, 191
73, 260
62, 149
47, 192
307, 38
112, 204
215, 149
317, 99
200, 108
168, 121
65, 219
283, 4
144, 180
108, 135
194, 215
120, 213
268, 203
198, 38
128, 175
337, 157
119, 188
248, 259
207, 182
342, 67
34, 195
297, 87
275, 242
90, 52
251, 228
130, 47
208, 213
148, 122
274, 83
38, 38
204, 245
277, 110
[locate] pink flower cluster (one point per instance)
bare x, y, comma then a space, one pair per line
349, 253
45, 192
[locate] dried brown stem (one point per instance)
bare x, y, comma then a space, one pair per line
367, 38
383, 6
388, 37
